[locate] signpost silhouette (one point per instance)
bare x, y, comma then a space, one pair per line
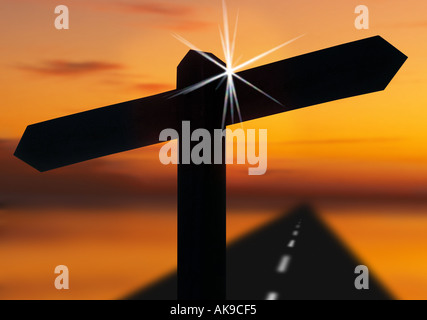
347, 70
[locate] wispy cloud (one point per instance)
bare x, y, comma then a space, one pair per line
93, 183
406, 24
190, 25
153, 87
168, 9
342, 141
69, 68
129, 6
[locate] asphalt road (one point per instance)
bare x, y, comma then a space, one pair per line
295, 257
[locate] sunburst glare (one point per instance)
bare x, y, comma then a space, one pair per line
229, 75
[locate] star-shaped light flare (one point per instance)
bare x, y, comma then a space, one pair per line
229, 75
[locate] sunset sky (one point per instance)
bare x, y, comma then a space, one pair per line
363, 160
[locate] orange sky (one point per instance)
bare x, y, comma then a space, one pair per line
126, 51
368, 147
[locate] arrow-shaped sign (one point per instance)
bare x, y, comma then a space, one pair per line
343, 71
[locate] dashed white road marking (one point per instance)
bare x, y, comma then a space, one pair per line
284, 264
272, 296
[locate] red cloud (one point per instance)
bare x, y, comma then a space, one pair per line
187, 26
153, 87
67, 68
156, 8
95, 183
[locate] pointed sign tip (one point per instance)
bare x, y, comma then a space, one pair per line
25, 148
403, 56
22, 158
